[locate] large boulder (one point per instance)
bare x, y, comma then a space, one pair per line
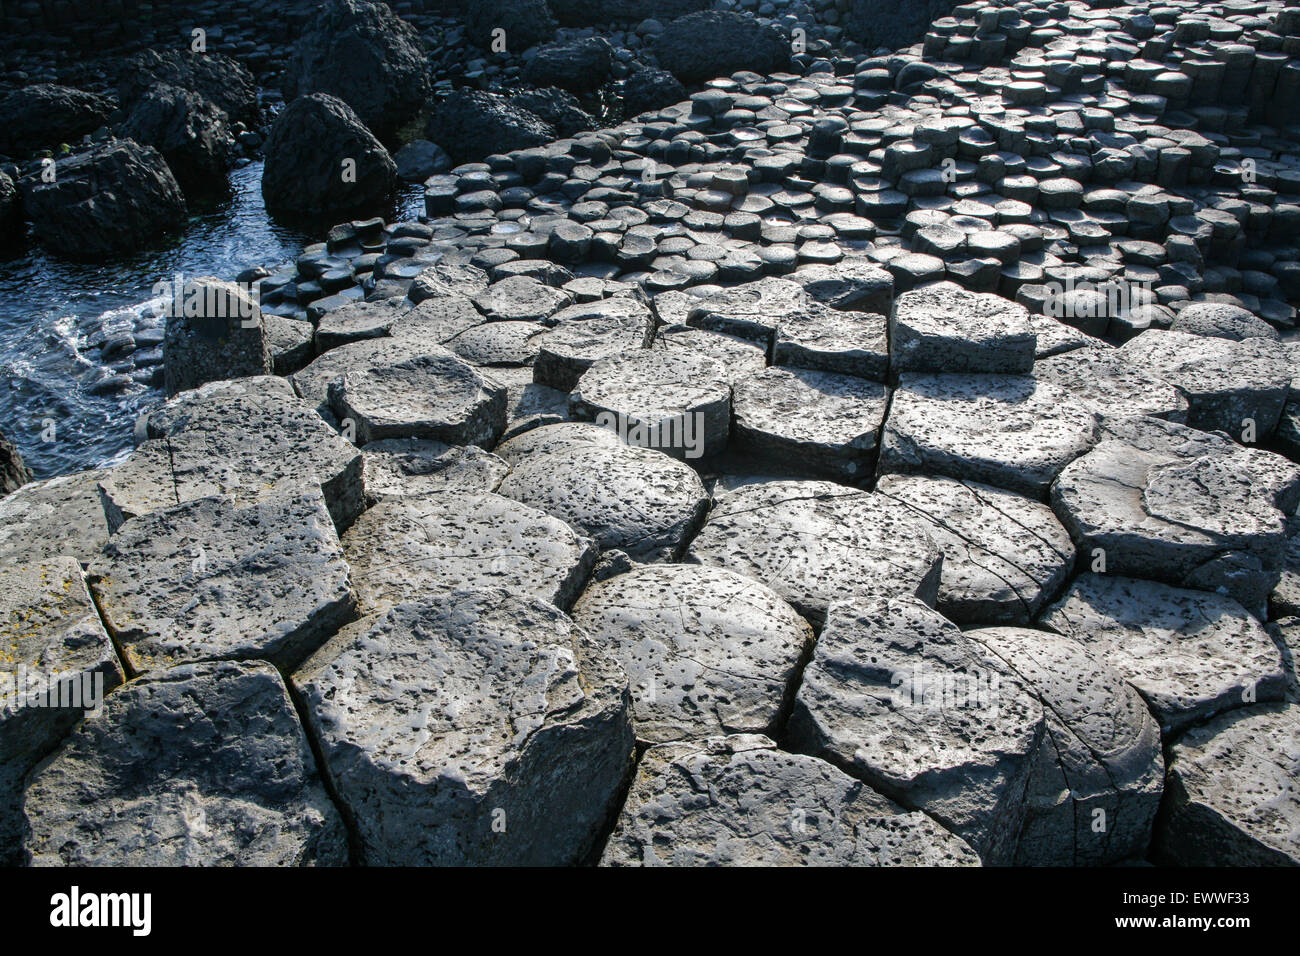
366, 56
586, 13
214, 331
556, 108
471, 124
11, 212
650, 89
701, 46
323, 165
14, 472
214, 76
524, 22
107, 201
888, 23
191, 132
44, 115
575, 65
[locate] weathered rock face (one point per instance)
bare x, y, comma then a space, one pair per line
396, 467
1113, 387
1232, 797
11, 212
471, 124
313, 382
739, 801
650, 89
575, 65
109, 200
701, 46
582, 334
368, 57
211, 579
1190, 653
199, 765
192, 133
525, 22
323, 164
944, 328
585, 13
479, 727
409, 548
1223, 321
901, 699
57, 665
1160, 500
1004, 556
824, 339
706, 650
557, 108
882, 23
14, 472
214, 76
58, 516
854, 285
215, 330
44, 115
1094, 793
816, 542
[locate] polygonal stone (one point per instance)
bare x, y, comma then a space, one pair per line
475, 727
585, 333
358, 320
214, 331
738, 357
58, 516
408, 548
816, 542
521, 299
944, 328
213, 579
1003, 555
855, 284
814, 422
706, 650
644, 504
396, 467
830, 340
437, 321
312, 383
1191, 654
198, 765
490, 344
1112, 386
1093, 796
901, 699
1011, 431
528, 405
1222, 320
739, 801
752, 310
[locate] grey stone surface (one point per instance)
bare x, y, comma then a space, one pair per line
396, 467
832, 340
738, 357
856, 285
752, 310
45, 519
357, 321
583, 334
944, 328
1223, 321
312, 383
214, 331
1106, 382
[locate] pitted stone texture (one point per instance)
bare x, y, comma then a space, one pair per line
45, 519
212, 579
901, 699
440, 720
238, 438
944, 328
1233, 799
1056, 338
528, 405
1093, 797
818, 423
410, 548
443, 279
437, 321
855, 285
739, 801
56, 662
752, 310
214, 331
1223, 321
312, 383
1011, 431
1171, 503
521, 299
662, 394
199, 765
396, 467
636, 500
831, 340
738, 357
706, 650
357, 321
1106, 382
1284, 601
1003, 555
1191, 654
1226, 382
816, 542
435, 396
492, 344
585, 333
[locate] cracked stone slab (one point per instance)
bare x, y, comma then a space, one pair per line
312, 383
831, 340
436, 321
738, 357
240, 438
854, 285
357, 321
739, 801
528, 405
1105, 381
198, 765
407, 548
1093, 797
1160, 500
436, 396
1004, 555
707, 651
1226, 382
213, 578
944, 328
57, 516
490, 344
897, 696
752, 310
522, 299
396, 467
583, 334
1191, 654
676, 402
472, 728
56, 664
821, 422
636, 500
1233, 797
1011, 431
1057, 338
816, 542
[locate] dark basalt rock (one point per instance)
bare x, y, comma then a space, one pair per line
215, 76
14, 472
891, 23
650, 89
525, 22
191, 132
558, 108
11, 211
470, 125
577, 65
702, 46
585, 13
45, 115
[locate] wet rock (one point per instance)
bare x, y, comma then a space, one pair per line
944, 328
471, 124
214, 331
420, 159
43, 115
57, 516
171, 775
192, 133
739, 801
14, 472
214, 76
704, 45
11, 212
902, 700
213, 579
396, 467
